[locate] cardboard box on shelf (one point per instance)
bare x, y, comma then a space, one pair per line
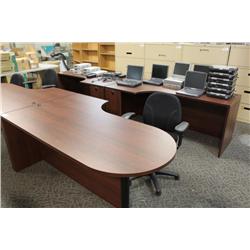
5, 68
4, 56
34, 61
23, 63
29, 48
19, 52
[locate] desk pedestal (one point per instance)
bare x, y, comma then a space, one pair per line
26, 150
205, 117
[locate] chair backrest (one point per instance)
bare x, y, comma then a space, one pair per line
17, 79
49, 77
163, 111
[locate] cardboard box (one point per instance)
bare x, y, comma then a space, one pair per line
5, 68
4, 56
19, 52
33, 58
23, 63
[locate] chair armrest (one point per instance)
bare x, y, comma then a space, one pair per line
128, 115
30, 82
181, 127
48, 86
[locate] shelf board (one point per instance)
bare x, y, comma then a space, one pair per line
108, 53
90, 61
107, 44
109, 69
90, 50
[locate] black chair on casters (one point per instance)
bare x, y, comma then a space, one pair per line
163, 111
49, 79
18, 80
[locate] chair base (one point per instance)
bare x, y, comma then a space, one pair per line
155, 182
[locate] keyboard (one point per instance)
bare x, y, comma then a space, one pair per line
191, 92
154, 81
129, 82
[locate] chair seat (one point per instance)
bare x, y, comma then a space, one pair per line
139, 118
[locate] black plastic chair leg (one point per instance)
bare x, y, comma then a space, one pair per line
155, 184
169, 173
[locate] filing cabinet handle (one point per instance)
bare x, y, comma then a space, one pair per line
129, 53
161, 55
246, 108
207, 50
246, 91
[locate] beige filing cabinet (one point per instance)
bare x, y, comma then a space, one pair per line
240, 57
166, 54
205, 54
128, 54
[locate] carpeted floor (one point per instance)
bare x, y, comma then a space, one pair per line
205, 180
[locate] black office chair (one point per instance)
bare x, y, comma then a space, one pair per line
18, 80
163, 111
49, 79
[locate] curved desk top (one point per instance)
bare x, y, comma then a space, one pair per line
77, 126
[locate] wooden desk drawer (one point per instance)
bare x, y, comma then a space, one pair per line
114, 101
245, 94
97, 91
129, 50
243, 77
205, 54
121, 63
244, 113
168, 52
240, 56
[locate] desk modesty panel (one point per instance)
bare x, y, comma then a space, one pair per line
95, 148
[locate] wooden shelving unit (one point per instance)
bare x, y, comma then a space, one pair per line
98, 54
107, 56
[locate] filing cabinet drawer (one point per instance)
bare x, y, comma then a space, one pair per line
240, 56
168, 52
205, 54
114, 101
149, 64
97, 91
129, 50
121, 63
244, 113
245, 94
243, 77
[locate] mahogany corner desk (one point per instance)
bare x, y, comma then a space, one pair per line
72, 133
208, 115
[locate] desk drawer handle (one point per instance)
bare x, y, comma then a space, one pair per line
248, 74
161, 55
129, 53
206, 50
112, 92
246, 108
246, 91
96, 88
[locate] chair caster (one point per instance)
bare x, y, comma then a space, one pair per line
158, 193
177, 178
